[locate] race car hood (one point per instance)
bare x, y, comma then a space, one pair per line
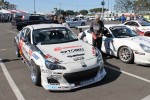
140, 40
67, 52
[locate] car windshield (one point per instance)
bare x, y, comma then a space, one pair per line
144, 23
122, 32
53, 36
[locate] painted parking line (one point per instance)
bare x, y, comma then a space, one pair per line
11, 31
132, 75
11, 82
3, 49
146, 98
129, 74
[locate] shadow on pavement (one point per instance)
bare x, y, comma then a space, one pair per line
8, 60
111, 76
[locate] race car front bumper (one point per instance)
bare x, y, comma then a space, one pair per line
70, 82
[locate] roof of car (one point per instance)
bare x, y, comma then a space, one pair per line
40, 26
113, 25
136, 21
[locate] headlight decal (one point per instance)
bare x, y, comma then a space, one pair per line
51, 58
145, 48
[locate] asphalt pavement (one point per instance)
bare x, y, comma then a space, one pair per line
122, 82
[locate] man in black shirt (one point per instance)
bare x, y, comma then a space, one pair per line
96, 29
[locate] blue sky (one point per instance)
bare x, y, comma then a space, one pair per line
49, 5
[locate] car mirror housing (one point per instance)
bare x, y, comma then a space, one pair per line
108, 35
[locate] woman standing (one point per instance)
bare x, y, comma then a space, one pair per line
64, 23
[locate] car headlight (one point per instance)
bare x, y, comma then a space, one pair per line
145, 48
53, 66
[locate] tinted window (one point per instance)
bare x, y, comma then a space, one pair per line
53, 36
122, 32
143, 23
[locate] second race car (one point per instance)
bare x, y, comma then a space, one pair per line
122, 42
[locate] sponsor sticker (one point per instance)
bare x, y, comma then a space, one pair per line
35, 56
46, 71
78, 58
87, 81
68, 47
47, 56
72, 51
58, 49
51, 87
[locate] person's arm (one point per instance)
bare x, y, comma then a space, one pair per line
92, 30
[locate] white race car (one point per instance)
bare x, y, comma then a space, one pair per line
122, 42
57, 58
140, 26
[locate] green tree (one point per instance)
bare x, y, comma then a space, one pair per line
95, 10
69, 12
141, 5
124, 5
83, 12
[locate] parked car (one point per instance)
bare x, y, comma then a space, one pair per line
20, 22
57, 58
122, 42
73, 22
108, 18
140, 26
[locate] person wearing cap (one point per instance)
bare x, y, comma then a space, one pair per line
96, 28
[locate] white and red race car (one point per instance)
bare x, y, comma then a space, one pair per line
57, 58
141, 27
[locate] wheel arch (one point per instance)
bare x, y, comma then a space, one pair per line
37, 58
120, 48
127, 47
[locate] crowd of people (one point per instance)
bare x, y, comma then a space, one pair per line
59, 20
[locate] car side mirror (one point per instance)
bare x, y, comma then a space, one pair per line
108, 35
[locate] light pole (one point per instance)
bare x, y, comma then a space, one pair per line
34, 7
108, 5
102, 3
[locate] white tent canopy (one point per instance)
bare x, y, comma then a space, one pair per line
3, 11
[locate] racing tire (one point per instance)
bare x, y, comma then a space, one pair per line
126, 55
35, 74
82, 24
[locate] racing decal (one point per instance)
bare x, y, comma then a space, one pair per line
72, 47
75, 55
58, 49
72, 51
78, 58
52, 87
46, 71
47, 56
35, 48
87, 81
143, 39
68, 47
20, 46
35, 56
139, 32
30, 52
93, 51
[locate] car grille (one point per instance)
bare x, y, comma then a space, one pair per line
81, 76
